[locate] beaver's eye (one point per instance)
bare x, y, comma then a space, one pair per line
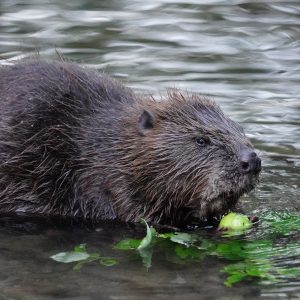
201, 141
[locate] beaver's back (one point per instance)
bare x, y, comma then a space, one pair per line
48, 110
34, 82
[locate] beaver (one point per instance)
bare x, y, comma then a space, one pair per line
76, 142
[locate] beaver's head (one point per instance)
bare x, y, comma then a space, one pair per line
190, 159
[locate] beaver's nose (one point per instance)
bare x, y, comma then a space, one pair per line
250, 162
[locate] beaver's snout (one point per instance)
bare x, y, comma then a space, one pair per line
250, 162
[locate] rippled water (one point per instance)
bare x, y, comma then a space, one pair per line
246, 54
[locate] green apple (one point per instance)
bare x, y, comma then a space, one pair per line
234, 221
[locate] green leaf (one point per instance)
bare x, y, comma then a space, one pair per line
146, 241
68, 257
232, 250
108, 261
208, 246
191, 253
236, 273
183, 238
234, 278
248, 269
127, 244
80, 248
91, 258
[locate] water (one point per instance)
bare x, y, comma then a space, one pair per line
245, 54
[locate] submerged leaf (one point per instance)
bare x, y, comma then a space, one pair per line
191, 253
248, 269
234, 278
128, 244
108, 261
146, 255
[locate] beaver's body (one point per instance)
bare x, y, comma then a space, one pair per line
74, 142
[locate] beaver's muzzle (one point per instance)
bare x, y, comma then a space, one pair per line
250, 162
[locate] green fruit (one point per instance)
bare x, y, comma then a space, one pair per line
234, 221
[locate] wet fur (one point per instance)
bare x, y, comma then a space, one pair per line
70, 144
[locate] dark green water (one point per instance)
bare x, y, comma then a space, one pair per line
246, 54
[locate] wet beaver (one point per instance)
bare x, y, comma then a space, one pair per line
74, 142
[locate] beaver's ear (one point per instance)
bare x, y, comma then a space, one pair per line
145, 122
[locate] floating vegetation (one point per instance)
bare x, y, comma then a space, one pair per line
246, 256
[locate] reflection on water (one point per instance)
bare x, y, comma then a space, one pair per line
245, 54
